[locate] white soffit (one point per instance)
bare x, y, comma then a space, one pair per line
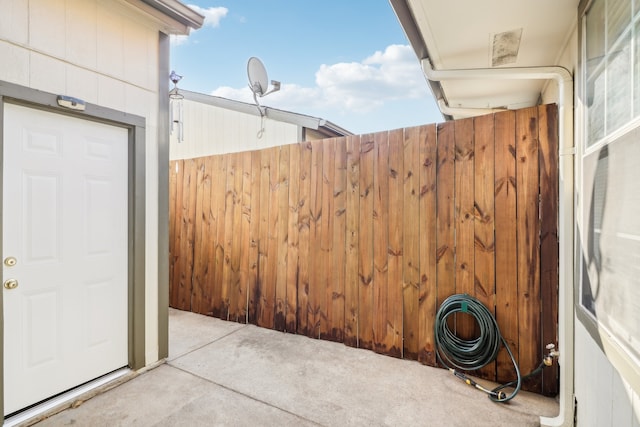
461, 34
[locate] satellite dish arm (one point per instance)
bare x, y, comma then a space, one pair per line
261, 109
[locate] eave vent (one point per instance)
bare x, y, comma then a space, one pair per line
505, 46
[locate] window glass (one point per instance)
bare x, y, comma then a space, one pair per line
595, 37
619, 85
595, 101
618, 19
612, 66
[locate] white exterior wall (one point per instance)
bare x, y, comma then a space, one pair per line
106, 53
604, 397
209, 130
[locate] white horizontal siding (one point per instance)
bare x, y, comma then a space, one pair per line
210, 130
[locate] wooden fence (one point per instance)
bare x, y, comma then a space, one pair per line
359, 239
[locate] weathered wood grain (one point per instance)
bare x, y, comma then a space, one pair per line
427, 239
382, 317
549, 249
484, 219
396, 244
528, 229
337, 325
445, 214
282, 224
316, 268
352, 280
505, 188
326, 239
293, 261
464, 220
410, 233
365, 243
304, 235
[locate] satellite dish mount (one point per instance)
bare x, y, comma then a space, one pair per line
259, 83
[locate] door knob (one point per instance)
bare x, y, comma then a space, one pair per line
10, 284
10, 261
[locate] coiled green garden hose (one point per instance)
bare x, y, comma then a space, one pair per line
455, 352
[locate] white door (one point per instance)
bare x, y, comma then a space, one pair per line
64, 221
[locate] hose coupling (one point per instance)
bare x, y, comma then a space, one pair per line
552, 354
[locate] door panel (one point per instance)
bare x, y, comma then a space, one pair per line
65, 221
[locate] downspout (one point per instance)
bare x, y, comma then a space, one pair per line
566, 222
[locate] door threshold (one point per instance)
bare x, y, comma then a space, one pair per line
62, 399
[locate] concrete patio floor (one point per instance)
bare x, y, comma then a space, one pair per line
224, 373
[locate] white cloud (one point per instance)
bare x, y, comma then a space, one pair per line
212, 17
349, 87
177, 40
364, 86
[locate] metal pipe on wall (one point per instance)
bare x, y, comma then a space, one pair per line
566, 224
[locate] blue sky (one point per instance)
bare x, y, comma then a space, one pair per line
347, 61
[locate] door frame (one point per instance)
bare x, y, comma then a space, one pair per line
136, 198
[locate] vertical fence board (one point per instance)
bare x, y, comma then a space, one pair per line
253, 284
259, 296
383, 329
245, 240
445, 217
427, 229
234, 285
464, 177
326, 239
197, 285
304, 237
351, 280
230, 223
219, 174
316, 268
410, 233
281, 224
292, 240
528, 237
187, 237
505, 235
395, 250
549, 250
484, 282
208, 237
201, 296
365, 244
339, 241
219, 295
269, 286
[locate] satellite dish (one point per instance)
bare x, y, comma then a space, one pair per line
258, 81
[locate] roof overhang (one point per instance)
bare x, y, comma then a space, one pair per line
467, 34
175, 17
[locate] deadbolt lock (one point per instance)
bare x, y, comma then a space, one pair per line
10, 261
10, 284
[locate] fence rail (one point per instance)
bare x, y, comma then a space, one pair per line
359, 239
